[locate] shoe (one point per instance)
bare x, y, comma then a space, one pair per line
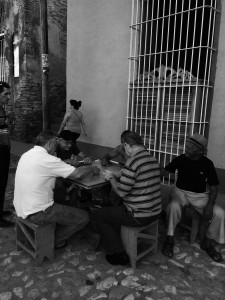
216, 256
211, 251
168, 247
115, 259
4, 223
61, 245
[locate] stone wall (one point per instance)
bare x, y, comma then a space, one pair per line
23, 20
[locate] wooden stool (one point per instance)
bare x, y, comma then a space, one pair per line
37, 240
132, 238
190, 220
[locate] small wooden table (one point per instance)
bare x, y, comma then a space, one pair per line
95, 181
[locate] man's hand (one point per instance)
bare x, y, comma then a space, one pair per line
105, 162
108, 175
87, 160
208, 212
73, 162
95, 170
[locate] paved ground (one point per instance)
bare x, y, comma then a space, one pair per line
78, 272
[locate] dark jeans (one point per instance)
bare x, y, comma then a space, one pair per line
4, 169
108, 221
68, 220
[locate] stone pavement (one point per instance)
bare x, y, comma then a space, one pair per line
78, 272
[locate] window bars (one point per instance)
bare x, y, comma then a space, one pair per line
171, 48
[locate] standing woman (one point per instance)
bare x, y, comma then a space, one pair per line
73, 120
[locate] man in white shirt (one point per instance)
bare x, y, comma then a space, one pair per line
35, 178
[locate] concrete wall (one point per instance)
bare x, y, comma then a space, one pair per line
23, 20
216, 146
97, 65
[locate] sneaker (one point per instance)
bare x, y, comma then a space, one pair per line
4, 223
115, 259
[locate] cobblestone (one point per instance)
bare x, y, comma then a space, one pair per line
78, 272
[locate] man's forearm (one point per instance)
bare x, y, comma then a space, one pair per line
81, 172
212, 195
113, 182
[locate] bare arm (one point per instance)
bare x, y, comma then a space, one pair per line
111, 178
110, 155
82, 119
83, 124
213, 190
84, 171
63, 124
113, 182
208, 211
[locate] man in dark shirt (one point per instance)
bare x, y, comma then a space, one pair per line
196, 186
68, 151
4, 152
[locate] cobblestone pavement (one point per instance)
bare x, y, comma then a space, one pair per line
78, 272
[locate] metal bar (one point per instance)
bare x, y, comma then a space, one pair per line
166, 109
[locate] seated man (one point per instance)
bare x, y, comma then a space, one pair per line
139, 187
196, 186
118, 151
34, 183
68, 151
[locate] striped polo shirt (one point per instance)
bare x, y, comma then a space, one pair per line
140, 180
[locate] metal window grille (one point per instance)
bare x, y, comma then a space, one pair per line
2, 45
171, 48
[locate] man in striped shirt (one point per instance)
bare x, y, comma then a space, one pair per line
139, 187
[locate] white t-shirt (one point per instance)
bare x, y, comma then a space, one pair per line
35, 180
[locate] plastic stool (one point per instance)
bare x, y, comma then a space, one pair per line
37, 240
132, 238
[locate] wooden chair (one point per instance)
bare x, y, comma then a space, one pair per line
37, 240
139, 241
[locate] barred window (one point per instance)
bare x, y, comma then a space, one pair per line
170, 78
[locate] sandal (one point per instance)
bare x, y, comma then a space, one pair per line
215, 255
168, 250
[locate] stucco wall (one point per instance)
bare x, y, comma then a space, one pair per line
97, 65
216, 144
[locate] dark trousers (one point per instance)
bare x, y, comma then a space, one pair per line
108, 221
4, 169
68, 220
